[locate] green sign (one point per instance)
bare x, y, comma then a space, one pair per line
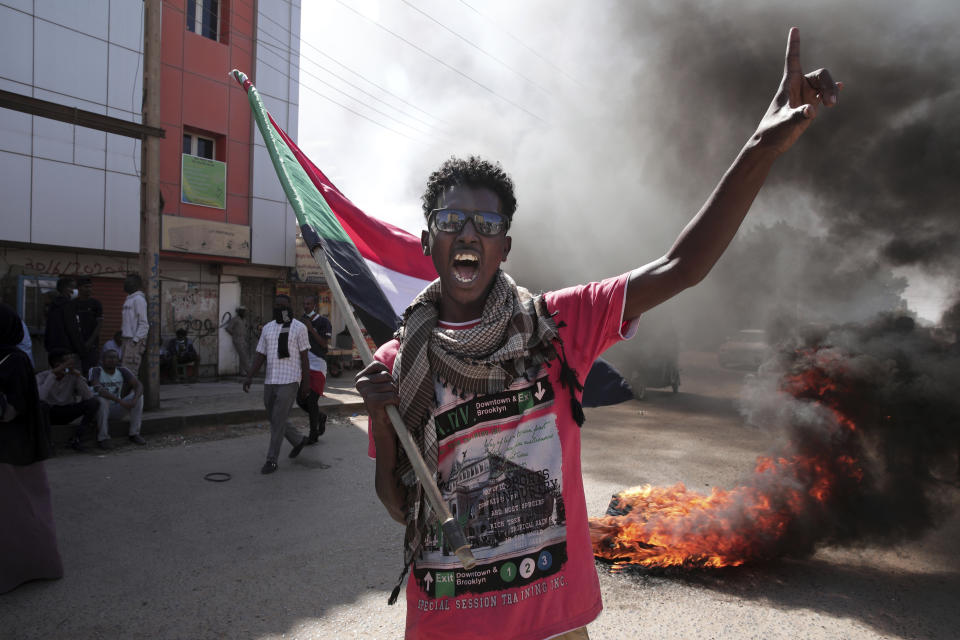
203, 182
445, 585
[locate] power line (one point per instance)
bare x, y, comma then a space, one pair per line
329, 99
475, 46
445, 64
521, 43
357, 74
350, 84
288, 50
348, 96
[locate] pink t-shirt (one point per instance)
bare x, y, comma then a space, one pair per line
509, 466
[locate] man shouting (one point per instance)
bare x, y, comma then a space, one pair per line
488, 380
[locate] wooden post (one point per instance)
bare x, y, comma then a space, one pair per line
150, 199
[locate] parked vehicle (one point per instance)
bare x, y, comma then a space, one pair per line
662, 373
659, 364
748, 348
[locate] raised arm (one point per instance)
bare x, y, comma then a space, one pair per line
706, 237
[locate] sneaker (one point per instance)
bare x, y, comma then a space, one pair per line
137, 439
298, 448
268, 467
76, 445
104, 444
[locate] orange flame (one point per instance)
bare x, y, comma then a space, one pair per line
676, 527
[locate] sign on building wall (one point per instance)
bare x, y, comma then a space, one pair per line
193, 235
307, 269
203, 181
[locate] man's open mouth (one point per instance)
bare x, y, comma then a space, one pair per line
466, 267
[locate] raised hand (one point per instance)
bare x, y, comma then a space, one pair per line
797, 100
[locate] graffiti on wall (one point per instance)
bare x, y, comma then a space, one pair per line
192, 306
67, 264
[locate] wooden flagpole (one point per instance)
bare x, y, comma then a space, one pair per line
452, 532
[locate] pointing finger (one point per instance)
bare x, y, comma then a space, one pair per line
792, 63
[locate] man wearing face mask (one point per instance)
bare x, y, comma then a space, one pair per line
63, 329
283, 345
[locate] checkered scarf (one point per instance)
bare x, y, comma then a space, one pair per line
516, 332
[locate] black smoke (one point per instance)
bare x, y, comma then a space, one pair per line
681, 88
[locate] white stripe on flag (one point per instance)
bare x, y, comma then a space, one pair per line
399, 288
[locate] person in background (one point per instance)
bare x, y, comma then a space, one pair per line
26, 345
135, 326
120, 394
28, 537
237, 328
179, 350
114, 344
65, 396
283, 346
90, 319
62, 332
319, 331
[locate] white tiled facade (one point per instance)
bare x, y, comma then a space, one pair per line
61, 184
273, 223
71, 186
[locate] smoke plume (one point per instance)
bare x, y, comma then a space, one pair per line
670, 91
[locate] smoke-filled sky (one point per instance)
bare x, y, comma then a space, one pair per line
616, 119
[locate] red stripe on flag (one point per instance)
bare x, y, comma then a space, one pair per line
376, 240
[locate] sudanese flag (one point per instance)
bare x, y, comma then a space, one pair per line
380, 267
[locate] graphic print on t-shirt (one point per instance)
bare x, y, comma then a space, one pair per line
500, 474
113, 383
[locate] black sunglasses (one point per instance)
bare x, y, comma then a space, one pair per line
487, 223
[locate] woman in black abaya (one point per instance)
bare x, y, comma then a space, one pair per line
27, 534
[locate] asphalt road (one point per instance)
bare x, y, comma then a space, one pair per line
152, 550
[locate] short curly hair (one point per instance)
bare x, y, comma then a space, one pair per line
471, 172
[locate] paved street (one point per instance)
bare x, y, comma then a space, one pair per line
152, 550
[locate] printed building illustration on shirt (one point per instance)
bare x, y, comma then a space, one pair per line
497, 500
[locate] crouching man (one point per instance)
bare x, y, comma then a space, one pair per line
65, 396
120, 394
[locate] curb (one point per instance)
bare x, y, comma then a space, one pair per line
153, 425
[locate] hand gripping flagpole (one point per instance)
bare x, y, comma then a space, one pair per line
452, 532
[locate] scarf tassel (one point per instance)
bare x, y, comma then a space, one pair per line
569, 379
396, 590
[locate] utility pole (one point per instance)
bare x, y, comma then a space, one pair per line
150, 199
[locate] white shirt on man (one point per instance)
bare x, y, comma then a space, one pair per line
135, 323
283, 370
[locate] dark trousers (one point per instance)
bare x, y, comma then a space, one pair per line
312, 406
89, 360
67, 413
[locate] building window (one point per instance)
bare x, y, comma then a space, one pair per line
34, 294
203, 18
199, 146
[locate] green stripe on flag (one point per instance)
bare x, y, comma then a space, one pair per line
307, 202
